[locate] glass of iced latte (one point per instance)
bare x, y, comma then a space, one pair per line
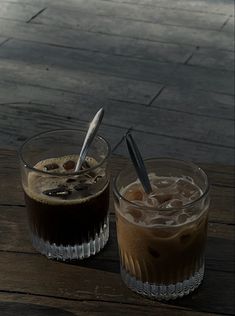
162, 235
67, 210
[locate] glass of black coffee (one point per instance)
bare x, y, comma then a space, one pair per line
67, 210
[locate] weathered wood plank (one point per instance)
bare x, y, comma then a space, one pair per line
229, 26
96, 42
102, 281
223, 7
19, 11
126, 67
145, 14
124, 117
79, 60
12, 303
203, 78
68, 281
214, 6
218, 132
83, 82
220, 59
2, 40
13, 135
40, 117
135, 29
197, 102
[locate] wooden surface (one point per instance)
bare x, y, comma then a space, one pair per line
163, 68
30, 284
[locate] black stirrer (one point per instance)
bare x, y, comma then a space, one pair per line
138, 163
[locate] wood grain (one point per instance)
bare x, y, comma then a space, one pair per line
109, 44
154, 120
78, 81
218, 6
63, 289
136, 29
222, 7
126, 11
19, 11
40, 305
220, 59
197, 102
79, 60
162, 68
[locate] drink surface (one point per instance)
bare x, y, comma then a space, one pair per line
67, 189
168, 194
67, 210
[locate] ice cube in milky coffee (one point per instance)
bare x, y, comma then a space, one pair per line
159, 241
67, 210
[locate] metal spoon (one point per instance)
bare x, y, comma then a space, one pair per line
92, 130
138, 163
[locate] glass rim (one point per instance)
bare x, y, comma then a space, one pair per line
32, 168
170, 209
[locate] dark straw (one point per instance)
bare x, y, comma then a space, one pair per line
138, 163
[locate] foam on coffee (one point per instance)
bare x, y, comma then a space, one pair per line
165, 205
42, 187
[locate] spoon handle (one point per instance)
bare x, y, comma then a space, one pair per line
138, 163
93, 128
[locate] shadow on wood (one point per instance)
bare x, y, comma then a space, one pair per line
11, 308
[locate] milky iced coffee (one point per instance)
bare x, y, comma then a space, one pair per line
67, 210
162, 235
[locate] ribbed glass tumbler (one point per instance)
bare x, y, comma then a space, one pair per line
161, 249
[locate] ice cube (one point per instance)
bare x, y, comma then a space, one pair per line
157, 221
69, 165
186, 188
134, 195
161, 196
135, 213
182, 218
195, 195
151, 202
50, 166
164, 182
61, 191
172, 203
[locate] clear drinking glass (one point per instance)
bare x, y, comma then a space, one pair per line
162, 250
67, 210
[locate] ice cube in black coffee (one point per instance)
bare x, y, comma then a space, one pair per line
50, 166
69, 165
60, 191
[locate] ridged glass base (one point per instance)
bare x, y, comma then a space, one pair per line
163, 292
75, 252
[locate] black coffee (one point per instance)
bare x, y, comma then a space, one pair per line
67, 210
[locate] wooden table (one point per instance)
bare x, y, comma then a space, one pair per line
30, 284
